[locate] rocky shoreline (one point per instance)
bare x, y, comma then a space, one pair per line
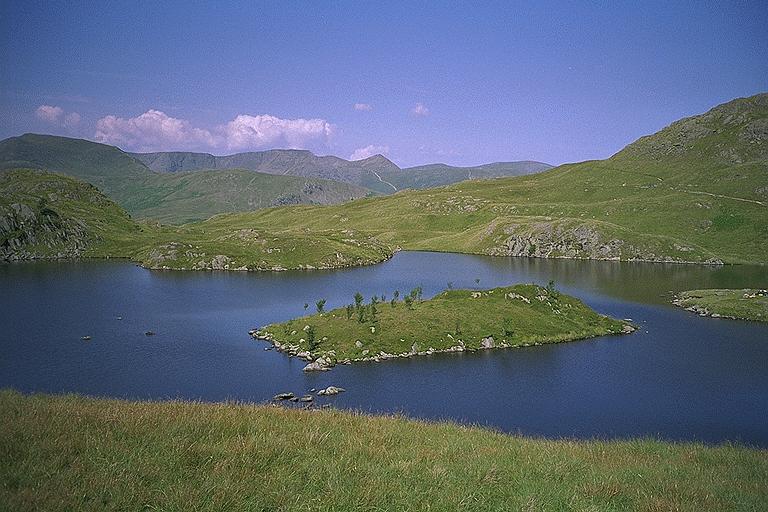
324, 361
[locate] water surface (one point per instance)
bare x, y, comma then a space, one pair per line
681, 377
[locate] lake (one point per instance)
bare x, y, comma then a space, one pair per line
680, 377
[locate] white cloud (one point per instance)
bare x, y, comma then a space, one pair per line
250, 132
420, 110
154, 130
71, 120
368, 151
363, 107
49, 113
151, 131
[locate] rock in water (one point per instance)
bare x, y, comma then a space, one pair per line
283, 396
331, 390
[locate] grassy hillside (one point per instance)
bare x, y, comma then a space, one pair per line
72, 453
47, 215
696, 191
44, 215
375, 173
455, 320
737, 304
172, 198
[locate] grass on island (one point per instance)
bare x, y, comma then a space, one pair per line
513, 316
74, 453
740, 304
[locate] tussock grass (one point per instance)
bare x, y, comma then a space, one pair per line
74, 453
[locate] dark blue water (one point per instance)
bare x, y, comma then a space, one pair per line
681, 377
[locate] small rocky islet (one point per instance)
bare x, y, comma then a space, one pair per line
453, 321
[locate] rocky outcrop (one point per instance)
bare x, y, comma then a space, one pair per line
36, 231
584, 240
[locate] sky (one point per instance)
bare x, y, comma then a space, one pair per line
462, 84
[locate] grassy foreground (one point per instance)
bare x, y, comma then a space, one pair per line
74, 453
738, 304
454, 320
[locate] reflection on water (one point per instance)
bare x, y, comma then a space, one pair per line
680, 377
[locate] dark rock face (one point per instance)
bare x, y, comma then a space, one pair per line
31, 232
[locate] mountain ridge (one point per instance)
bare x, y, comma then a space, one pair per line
376, 172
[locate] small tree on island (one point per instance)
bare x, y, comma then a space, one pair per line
306, 306
450, 285
408, 301
374, 301
358, 300
311, 341
477, 280
350, 310
320, 306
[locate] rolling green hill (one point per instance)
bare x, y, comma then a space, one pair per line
697, 191
44, 215
50, 216
376, 172
173, 198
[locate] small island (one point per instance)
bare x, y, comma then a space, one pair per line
453, 321
747, 304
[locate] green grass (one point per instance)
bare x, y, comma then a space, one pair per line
74, 453
696, 191
513, 316
704, 199
740, 304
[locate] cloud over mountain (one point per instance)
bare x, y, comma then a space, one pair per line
246, 132
368, 151
154, 130
49, 113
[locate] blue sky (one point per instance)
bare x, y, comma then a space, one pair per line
465, 84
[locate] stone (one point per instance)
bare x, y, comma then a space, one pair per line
487, 342
306, 398
331, 390
283, 396
359, 344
